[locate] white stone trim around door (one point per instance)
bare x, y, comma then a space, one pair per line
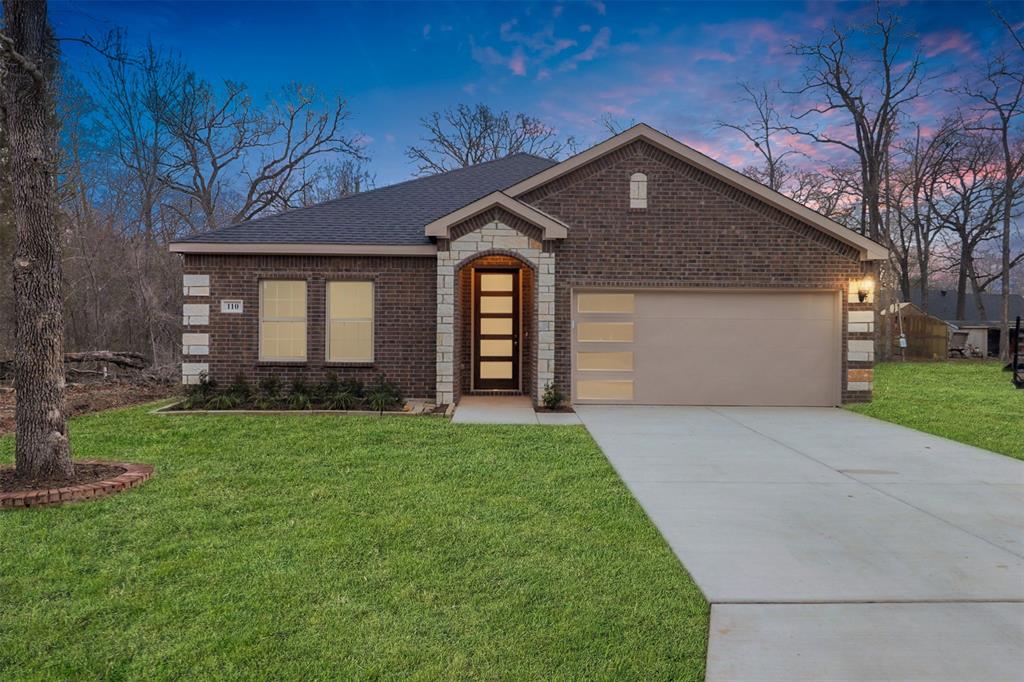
498, 238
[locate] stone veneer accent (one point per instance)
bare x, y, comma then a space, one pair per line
196, 285
195, 315
493, 237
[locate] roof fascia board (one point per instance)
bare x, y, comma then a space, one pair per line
869, 250
271, 249
553, 229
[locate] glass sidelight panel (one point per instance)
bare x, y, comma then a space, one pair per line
496, 325
496, 282
496, 304
495, 370
501, 348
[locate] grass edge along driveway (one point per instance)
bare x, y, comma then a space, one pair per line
345, 548
969, 402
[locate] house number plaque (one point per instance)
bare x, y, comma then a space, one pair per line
231, 306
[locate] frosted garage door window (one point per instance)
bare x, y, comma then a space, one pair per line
605, 303
350, 321
591, 332
604, 390
605, 362
283, 320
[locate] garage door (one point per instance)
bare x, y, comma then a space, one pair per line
706, 348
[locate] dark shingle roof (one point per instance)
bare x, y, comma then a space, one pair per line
392, 215
942, 304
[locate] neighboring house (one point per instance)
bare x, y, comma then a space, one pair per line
982, 333
639, 271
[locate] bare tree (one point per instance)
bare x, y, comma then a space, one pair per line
466, 135
968, 201
870, 90
998, 105
42, 448
613, 125
926, 160
763, 124
334, 180
222, 138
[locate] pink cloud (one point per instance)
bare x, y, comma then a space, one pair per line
585, 28
517, 64
598, 45
712, 55
948, 41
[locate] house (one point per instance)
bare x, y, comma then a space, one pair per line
927, 337
982, 331
638, 271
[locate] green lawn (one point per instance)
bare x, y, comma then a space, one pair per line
345, 548
971, 402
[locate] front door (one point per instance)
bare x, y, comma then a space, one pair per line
496, 330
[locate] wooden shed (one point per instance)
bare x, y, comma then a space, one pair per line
927, 336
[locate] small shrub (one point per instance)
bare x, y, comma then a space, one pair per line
355, 387
223, 401
198, 395
329, 386
383, 395
553, 397
270, 387
342, 399
240, 389
300, 398
269, 394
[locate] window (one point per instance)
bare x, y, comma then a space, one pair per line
638, 190
350, 321
283, 320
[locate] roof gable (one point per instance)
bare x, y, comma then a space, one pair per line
552, 227
868, 249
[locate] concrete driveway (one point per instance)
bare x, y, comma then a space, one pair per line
832, 546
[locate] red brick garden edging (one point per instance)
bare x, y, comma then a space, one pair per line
134, 475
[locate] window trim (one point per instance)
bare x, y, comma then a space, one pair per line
372, 319
640, 179
305, 321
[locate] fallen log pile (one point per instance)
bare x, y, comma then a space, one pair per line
125, 359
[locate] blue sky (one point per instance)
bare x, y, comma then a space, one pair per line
673, 65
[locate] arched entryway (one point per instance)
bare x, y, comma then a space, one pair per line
487, 241
496, 325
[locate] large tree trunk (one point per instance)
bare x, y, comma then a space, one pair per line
41, 442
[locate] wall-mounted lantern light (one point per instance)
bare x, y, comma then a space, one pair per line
864, 288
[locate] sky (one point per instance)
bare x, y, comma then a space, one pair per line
675, 66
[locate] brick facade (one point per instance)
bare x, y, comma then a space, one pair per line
404, 298
695, 232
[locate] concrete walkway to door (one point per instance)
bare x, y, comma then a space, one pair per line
832, 546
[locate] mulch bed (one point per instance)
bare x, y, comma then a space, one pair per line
84, 473
560, 408
92, 480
